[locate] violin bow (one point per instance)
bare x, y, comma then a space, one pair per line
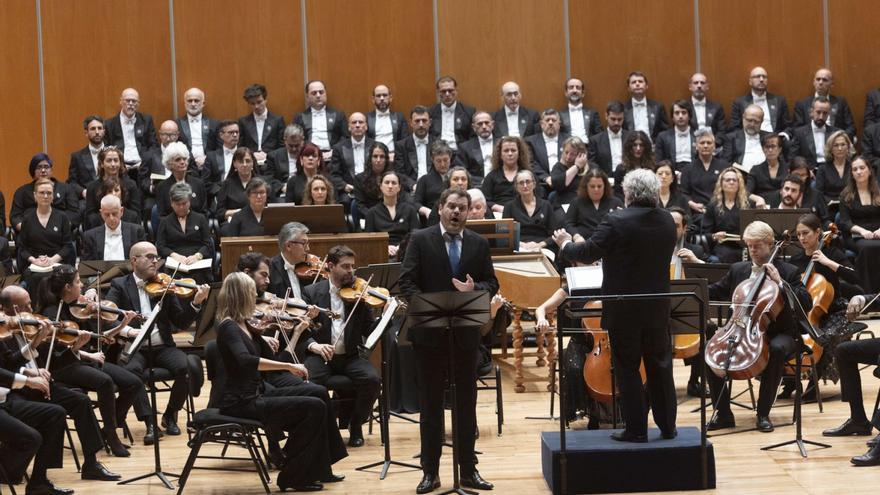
320, 269
354, 307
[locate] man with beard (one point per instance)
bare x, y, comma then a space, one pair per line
383, 125
476, 154
578, 120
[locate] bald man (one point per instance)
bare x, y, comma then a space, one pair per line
513, 119
704, 112
775, 108
839, 115
197, 131
130, 130
112, 240
169, 132
383, 125
324, 126
350, 157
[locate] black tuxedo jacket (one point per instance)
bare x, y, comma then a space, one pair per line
212, 173
93, 240
342, 163
426, 269
871, 145
358, 328
714, 117
735, 145
664, 146
599, 151
276, 170
840, 116
406, 159
802, 143
278, 281
657, 121
399, 127
778, 111
470, 156
630, 265
273, 132
540, 162
175, 314
81, 170
337, 125
144, 132
592, 124
872, 108
210, 138
528, 122
463, 116
152, 164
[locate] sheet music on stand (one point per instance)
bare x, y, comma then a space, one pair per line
387, 314
146, 331
108, 270
583, 280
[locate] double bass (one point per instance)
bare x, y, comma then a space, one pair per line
597, 365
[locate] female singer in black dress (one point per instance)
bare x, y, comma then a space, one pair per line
232, 196
698, 181
669, 193
304, 457
45, 238
832, 176
396, 217
366, 184
309, 164
64, 200
766, 178
110, 164
430, 186
636, 153
860, 221
509, 157
457, 177
536, 216
249, 220
722, 215
184, 234
595, 199
319, 191
565, 175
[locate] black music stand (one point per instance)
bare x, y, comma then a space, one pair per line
205, 330
779, 220
103, 271
384, 275
450, 312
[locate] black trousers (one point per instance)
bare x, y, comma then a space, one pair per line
360, 371
105, 382
629, 347
782, 346
30, 430
849, 356
432, 365
79, 407
170, 358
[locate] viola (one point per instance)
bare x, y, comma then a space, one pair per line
109, 311
183, 287
312, 269
374, 297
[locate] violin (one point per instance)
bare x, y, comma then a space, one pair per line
66, 332
360, 289
312, 269
298, 305
821, 291
109, 311
597, 366
263, 321
183, 287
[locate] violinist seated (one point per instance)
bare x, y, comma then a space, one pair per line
333, 348
849, 355
721, 216
18, 355
184, 234
90, 371
111, 240
249, 220
293, 244
781, 335
132, 293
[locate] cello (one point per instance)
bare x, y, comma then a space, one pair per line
597, 365
821, 291
741, 349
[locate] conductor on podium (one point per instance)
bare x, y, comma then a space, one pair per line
447, 257
635, 245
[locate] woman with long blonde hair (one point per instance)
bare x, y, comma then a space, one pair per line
722, 215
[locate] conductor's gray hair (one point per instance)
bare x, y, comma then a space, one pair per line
641, 188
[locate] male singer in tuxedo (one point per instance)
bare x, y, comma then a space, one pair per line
261, 129
324, 126
476, 154
774, 106
450, 118
638, 329
197, 131
448, 257
83, 168
605, 149
513, 119
808, 140
704, 112
383, 125
130, 130
575, 118
643, 114
281, 163
350, 158
677, 144
839, 115
546, 147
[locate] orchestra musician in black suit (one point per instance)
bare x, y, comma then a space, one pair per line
637, 329
111, 240
142, 129
450, 118
293, 247
324, 126
642, 113
605, 150
839, 116
383, 125
577, 119
261, 129
775, 117
447, 257
197, 131
83, 167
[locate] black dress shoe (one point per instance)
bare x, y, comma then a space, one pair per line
764, 425
625, 436
429, 483
721, 422
307, 487
333, 478
355, 438
46, 488
150, 436
277, 458
872, 442
869, 458
693, 390
111, 440
849, 427
99, 472
475, 481
669, 435
169, 423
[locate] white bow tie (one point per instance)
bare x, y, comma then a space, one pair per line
448, 109
699, 103
129, 121
573, 108
423, 142
682, 134
511, 113
639, 104
383, 114
760, 99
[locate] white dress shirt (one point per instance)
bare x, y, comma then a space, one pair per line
512, 121
761, 101
447, 123
338, 333
195, 132
113, 248
819, 141
422, 154
261, 124
552, 144
640, 116
227, 162
358, 148
615, 142
683, 146
699, 111
292, 278
487, 147
754, 154
576, 115
94, 152
320, 136
130, 152
146, 307
384, 129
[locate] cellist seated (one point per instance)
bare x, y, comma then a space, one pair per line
781, 334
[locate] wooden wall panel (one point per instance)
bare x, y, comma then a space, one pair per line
611, 39
855, 52
354, 46
20, 125
785, 39
223, 46
483, 44
92, 52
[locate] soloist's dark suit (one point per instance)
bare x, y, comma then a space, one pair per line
337, 126
657, 120
461, 123
527, 118
426, 268
273, 132
638, 329
778, 111
93, 240
840, 115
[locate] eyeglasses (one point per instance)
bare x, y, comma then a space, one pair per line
302, 243
525, 182
152, 258
261, 192
45, 194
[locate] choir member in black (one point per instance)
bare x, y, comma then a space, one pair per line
722, 215
797, 192
90, 371
293, 247
45, 238
396, 217
636, 153
536, 216
479, 209
509, 157
565, 175
304, 458
111, 164
457, 177
280, 163
175, 157
849, 356
698, 180
366, 184
333, 348
766, 178
595, 199
448, 257
832, 175
781, 333
64, 199
14, 356
111, 185
309, 164
670, 196
232, 196
319, 191
860, 221
249, 220
430, 186
184, 235
128, 294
